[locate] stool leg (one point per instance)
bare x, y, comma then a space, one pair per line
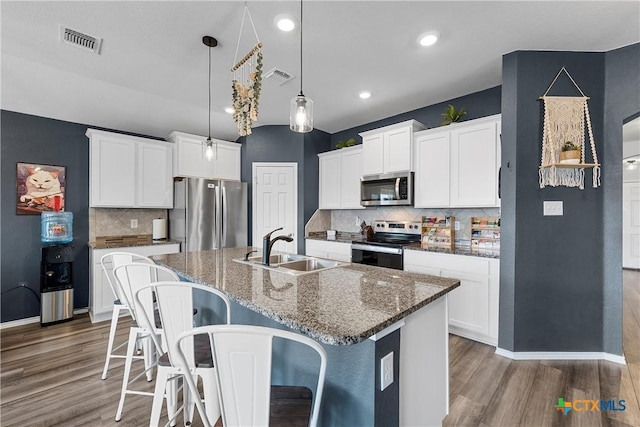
211, 400
133, 335
149, 352
158, 397
112, 336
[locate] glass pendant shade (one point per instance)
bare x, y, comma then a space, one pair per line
301, 114
210, 149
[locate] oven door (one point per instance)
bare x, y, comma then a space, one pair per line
379, 256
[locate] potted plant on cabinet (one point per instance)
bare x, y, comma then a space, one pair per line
570, 153
452, 115
348, 143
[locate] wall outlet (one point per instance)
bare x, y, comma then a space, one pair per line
552, 208
457, 226
358, 221
134, 223
386, 371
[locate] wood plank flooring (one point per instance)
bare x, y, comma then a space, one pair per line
50, 376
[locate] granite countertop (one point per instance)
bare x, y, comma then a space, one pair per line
112, 242
458, 250
338, 306
466, 250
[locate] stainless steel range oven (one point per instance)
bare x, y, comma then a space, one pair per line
385, 249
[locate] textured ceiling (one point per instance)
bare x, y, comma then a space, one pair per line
151, 74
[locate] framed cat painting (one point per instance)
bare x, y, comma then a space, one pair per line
40, 188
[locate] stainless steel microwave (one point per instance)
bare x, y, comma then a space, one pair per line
391, 189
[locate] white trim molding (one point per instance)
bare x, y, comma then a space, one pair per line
560, 355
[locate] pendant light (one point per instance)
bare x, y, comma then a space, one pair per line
210, 148
301, 108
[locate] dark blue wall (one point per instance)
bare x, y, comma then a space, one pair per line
561, 285
39, 140
280, 144
478, 104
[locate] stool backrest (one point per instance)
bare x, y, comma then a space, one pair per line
133, 276
175, 302
113, 260
242, 357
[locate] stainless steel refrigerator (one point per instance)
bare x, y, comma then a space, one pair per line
208, 214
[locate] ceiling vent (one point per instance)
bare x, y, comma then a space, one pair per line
78, 39
277, 76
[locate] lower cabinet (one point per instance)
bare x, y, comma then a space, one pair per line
338, 251
473, 307
101, 297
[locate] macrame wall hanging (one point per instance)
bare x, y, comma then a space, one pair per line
247, 82
565, 118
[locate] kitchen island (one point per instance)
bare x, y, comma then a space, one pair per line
360, 314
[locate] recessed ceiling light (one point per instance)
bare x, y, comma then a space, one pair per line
428, 39
365, 94
285, 22
229, 110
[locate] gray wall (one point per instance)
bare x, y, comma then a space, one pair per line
280, 144
561, 284
39, 140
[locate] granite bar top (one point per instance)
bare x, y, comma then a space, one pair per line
338, 306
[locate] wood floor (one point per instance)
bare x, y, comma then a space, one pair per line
51, 377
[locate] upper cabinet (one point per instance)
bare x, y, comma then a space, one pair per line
458, 165
389, 149
191, 162
128, 171
339, 181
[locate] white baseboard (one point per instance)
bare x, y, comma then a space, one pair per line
35, 319
560, 355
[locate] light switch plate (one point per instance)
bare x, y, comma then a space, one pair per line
552, 208
386, 371
134, 223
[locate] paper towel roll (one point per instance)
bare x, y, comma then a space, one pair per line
159, 229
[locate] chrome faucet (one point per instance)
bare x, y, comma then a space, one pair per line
267, 244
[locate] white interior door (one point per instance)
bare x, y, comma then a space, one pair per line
631, 225
275, 204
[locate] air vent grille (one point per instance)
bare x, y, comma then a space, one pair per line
81, 40
277, 76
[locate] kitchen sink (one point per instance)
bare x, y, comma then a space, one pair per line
278, 259
309, 264
292, 263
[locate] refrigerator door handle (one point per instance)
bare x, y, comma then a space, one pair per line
223, 202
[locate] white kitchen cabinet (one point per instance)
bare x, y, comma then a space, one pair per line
389, 149
458, 165
100, 295
432, 169
128, 171
473, 307
339, 178
191, 162
338, 251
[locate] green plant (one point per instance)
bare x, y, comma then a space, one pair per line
348, 143
570, 146
452, 115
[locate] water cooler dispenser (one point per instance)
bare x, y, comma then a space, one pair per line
56, 268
